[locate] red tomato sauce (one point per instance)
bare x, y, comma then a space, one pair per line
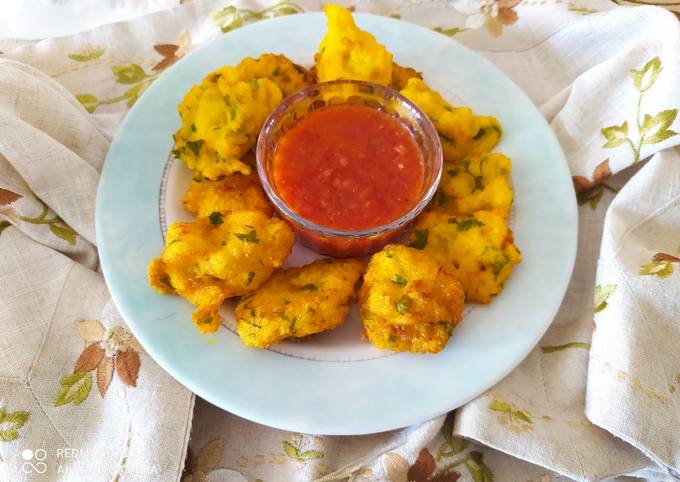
348, 167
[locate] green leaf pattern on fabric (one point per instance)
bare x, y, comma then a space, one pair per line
295, 453
566, 346
56, 225
477, 468
651, 129
231, 17
86, 55
660, 269
660, 266
602, 294
74, 388
126, 74
10, 423
511, 411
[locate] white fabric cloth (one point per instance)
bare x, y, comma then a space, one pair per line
599, 397
37, 19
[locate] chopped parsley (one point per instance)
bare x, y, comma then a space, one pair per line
465, 224
254, 85
399, 280
251, 276
206, 320
276, 71
403, 305
198, 178
480, 134
440, 198
498, 265
420, 240
309, 287
291, 326
479, 183
447, 139
193, 127
453, 172
215, 218
250, 237
177, 152
448, 327
392, 338
231, 106
195, 146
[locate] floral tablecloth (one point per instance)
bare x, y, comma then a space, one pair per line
599, 397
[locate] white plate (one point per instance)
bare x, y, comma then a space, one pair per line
335, 383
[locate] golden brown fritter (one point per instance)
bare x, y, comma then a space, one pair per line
456, 125
297, 302
287, 75
461, 132
401, 74
347, 52
474, 184
477, 249
237, 192
217, 257
408, 301
222, 117
487, 136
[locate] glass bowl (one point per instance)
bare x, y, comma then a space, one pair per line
324, 239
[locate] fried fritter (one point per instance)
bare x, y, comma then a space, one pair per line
408, 301
298, 302
456, 126
461, 132
217, 257
401, 74
347, 52
222, 117
287, 75
237, 192
474, 184
477, 249
487, 136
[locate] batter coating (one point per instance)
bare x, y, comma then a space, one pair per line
217, 257
297, 302
477, 249
408, 301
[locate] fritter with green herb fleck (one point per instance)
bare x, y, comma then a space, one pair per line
237, 192
217, 257
222, 117
288, 76
478, 183
477, 249
297, 302
461, 132
408, 301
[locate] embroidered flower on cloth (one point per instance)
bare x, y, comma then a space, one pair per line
491, 14
108, 351
173, 52
424, 469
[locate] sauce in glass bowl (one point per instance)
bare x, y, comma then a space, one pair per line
348, 167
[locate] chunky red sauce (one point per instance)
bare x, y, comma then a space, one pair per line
348, 167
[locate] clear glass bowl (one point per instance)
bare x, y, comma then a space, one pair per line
323, 239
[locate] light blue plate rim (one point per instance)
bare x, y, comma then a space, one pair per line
330, 397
